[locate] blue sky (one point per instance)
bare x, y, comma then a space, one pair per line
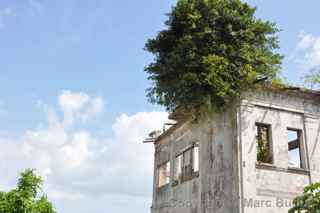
73, 92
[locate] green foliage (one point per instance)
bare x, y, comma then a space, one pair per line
309, 201
210, 52
26, 197
262, 151
312, 80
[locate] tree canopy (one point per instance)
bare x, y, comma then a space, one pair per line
312, 79
210, 51
309, 201
27, 197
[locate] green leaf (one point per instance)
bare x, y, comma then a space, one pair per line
210, 52
26, 198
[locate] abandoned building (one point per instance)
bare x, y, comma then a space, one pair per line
255, 157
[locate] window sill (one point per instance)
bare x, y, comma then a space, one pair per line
272, 167
194, 176
298, 170
265, 165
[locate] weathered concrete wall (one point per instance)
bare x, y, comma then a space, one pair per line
182, 198
230, 180
216, 188
219, 176
271, 188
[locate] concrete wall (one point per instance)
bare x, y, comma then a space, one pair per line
271, 188
217, 186
182, 198
230, 180
219, 161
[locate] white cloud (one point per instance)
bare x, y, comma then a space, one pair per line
95, 106
77, 151
77, 105
308, 51
61, 195
72, 101
78, 165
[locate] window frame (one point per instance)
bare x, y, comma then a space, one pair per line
194, 166
168, 176
181, 178
301, 147
270, 142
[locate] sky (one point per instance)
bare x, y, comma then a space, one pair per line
72, 97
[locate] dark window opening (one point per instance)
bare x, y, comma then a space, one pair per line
186, 164
264, 149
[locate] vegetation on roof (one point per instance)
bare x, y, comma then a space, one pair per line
210, 51
312, 79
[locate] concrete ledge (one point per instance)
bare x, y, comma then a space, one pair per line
194, 175
272, 167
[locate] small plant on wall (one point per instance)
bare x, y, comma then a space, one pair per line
262, 150
308, 202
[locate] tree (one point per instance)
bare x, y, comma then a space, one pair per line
210, 52
312, 79
27, 197
309, 201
